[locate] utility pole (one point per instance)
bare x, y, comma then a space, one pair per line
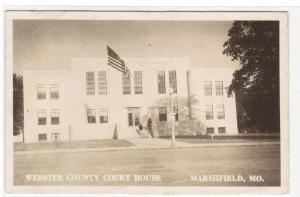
172, 115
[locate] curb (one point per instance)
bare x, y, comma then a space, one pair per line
109, 149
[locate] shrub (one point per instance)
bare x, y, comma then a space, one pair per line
115, 135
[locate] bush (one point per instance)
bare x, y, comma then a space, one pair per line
115, 135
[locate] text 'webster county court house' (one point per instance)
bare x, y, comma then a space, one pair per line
91, 98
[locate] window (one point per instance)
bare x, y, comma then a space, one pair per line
173, 80
175, 110
207, 88
54, 91
103, 116
222, 130
102, 83
161, 82
91, 116
133, 116
210, 130
138, 82
42, 137
42, 117
219, 88
41, 92
126, 84
54, 116
209, 112
55, 136
90, 83
220, 112
162, 114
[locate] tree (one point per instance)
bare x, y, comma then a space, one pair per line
18, 111
255, 44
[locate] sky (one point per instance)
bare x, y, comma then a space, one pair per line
50, 44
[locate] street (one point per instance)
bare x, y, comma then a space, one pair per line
168, 167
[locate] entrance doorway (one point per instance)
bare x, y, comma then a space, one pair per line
133, 116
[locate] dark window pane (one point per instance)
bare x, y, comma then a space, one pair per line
54, 120
162, 114
42, 121
103, 119
210, 130
222, 130
42, 137
130, 119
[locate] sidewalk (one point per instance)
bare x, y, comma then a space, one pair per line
148, 144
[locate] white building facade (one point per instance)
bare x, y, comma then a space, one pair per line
93, 100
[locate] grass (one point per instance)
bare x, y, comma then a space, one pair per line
72, 145
227, 139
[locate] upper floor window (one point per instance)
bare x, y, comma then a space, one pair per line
91, 116
42, 117
41, 92
90, 83
138, 82
103, 115
54, 116
126, 84
209, 115
161, 82
207, 88
220, 112
219, 88
54, 91
173, 80
102, 83
162, 114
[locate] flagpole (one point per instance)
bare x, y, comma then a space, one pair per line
109, 96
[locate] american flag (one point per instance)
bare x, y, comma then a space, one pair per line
115, 61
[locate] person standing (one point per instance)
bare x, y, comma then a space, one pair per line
149, 127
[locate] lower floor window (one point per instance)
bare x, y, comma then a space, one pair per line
133, 116
55, 136
103, 116
175, 110
222, 130
91, 116
42, 137
210, 130
162, 114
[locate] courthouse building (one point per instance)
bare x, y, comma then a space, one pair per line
91, 100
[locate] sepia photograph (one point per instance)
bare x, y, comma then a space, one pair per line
146, 100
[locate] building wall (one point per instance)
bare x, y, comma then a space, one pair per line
197, 78
73, 100
32, 105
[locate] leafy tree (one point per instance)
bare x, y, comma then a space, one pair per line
255, 44
18, 111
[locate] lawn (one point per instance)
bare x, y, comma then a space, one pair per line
227, 139
72, 145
